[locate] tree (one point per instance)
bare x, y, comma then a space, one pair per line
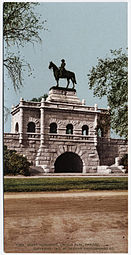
110, 78
15, 163
34, 99
20, 26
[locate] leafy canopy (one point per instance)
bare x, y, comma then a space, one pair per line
20, 25
34, 99
110, 78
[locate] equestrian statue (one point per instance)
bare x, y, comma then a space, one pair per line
61, 72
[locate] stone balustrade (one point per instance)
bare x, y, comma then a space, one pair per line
33, 135
71, 137
11, 135
52, 136
112, 140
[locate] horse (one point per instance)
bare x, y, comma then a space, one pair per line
65, 75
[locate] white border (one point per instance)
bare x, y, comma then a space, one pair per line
129, 127
1, 118
1, 129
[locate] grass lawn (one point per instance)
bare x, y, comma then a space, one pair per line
64, 184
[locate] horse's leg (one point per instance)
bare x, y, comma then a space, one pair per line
68, 82
57, 83
72, 82
57, 79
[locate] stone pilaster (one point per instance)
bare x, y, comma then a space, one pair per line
42, 122
12, 122
43, 155
95, 124
21, 121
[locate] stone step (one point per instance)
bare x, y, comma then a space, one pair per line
36, 170
110, 169
117, 169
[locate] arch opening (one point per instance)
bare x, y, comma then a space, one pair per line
17, 127
53, 127
31, 127
85, 130
69, 129
100, 132
68, 162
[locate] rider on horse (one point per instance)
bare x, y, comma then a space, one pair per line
61, 72
62, 67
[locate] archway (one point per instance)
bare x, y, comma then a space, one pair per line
69, 129
31, 127
68, 162
85, 130
100, 132
17, 127
53, 127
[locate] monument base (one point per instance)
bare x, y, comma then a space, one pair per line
62, 88
63, 95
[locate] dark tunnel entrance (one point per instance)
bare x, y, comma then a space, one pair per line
68, 162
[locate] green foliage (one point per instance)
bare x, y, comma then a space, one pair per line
34, 99
20, 25
64, 184
110, 78
14, 163
124, 162
14, 65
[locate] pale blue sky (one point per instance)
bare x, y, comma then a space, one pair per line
79, 33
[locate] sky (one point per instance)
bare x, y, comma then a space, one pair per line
78, 32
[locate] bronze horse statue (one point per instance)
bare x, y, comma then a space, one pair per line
65, 75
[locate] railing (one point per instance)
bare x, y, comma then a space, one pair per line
61, 137
69, 106
111, 140
61, 105
51, 136
81, 138
25, 136
31, 103
33, 135
11, 135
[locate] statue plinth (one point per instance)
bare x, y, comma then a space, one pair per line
63, 95
62, 88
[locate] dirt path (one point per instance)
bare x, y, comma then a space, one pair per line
67, 194
66, 222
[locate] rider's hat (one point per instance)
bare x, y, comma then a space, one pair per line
62, 60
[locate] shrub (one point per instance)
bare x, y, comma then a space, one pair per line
124, 162
14, 163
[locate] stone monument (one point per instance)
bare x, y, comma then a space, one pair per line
63, 134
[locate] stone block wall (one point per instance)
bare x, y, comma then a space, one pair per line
63, 118
15, 119
29, 147
43, 146
31, 115
45, 155
109, 149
